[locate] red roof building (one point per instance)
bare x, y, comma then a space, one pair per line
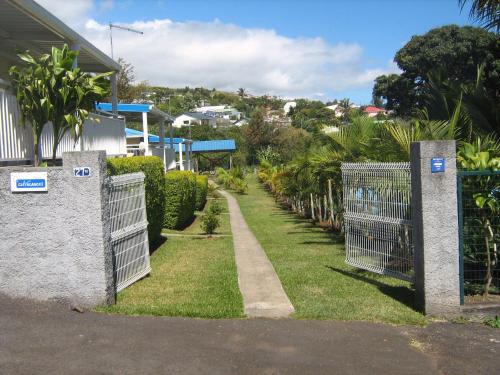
372, 111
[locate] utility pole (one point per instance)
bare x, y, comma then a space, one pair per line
111, 26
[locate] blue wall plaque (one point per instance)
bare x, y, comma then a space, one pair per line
437, 165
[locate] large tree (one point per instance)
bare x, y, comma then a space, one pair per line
258, 133
456, 51
125, 78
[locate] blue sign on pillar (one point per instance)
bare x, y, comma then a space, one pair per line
437, 165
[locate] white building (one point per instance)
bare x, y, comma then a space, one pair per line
193, 119
288, 106
220, 111
25, 25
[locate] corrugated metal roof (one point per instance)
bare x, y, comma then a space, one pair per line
122, 107
214, 146
25, 25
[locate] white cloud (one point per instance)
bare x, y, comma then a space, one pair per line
72, 12
227, 56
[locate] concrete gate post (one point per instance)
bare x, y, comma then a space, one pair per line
435, 227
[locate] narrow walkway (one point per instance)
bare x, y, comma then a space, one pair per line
263, 295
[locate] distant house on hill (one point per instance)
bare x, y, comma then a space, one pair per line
372, 111
288, 106
194, 118
220, 111
337, 109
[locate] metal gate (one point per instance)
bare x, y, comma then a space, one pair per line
129, 234
377, 218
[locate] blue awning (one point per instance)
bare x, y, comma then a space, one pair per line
214, 146
122, 107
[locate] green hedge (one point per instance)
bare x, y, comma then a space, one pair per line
180, 199
154, 184
201, 191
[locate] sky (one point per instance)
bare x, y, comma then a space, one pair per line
317, 49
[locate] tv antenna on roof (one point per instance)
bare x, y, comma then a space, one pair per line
111, 25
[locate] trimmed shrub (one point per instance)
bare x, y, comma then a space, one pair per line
209, 223
180, 199
201, 191
154, 186
215, 208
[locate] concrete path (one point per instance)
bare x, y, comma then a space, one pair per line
263, 294
51, 339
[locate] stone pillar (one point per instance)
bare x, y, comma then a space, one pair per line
435, 227
88, 198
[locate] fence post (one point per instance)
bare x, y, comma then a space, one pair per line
435, 226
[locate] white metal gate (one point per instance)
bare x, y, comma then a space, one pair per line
129, 228
377, 217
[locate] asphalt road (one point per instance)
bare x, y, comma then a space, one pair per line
51, 339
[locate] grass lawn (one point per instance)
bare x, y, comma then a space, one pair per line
191, 277
310, 264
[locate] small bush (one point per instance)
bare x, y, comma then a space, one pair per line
215, 208
493, 322
154, 186
201, 191
180, 199
233, 179
209, 223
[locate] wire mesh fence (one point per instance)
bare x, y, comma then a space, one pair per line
129, 235
377, 217
479, 235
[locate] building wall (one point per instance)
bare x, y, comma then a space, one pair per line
55, 245
16, 141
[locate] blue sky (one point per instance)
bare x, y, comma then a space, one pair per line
302, 39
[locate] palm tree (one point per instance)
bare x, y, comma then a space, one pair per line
241, 92
486, 12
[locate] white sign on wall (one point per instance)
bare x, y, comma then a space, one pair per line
81, 172
28, 181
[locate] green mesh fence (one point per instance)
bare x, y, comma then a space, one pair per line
479, 234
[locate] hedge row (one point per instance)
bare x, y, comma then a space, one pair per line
201, 191
180, 199
154, 184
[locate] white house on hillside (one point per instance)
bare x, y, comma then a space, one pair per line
194, 118
288, 106
220, 111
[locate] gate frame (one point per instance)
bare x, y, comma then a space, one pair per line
138, 228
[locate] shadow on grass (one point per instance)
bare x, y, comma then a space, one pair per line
157, 244
399, 293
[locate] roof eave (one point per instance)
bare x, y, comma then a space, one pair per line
41, 15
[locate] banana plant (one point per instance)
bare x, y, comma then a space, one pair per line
65, 95
33, 98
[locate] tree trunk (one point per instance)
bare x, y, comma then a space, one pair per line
312, 207
54, 152
36, 160
488, 277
